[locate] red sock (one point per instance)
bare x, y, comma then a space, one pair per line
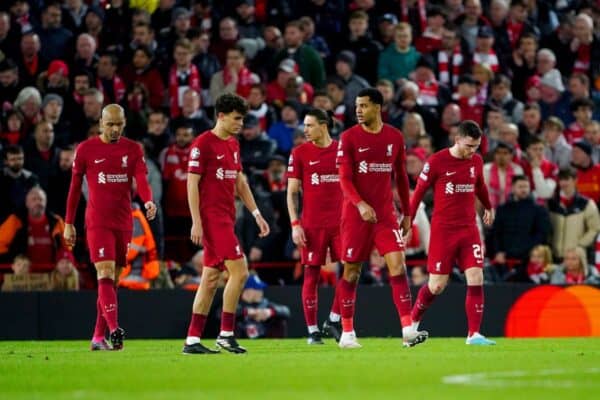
474, 308
402, 298
309, 293
100, 328
424, 300
107, 295
347, 300
227, 321
197, 325
335, 307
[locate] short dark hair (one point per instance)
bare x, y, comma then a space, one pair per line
567, 173
469, 128
518, 178
501, 79
373, 94
229, 102
582, 103
239, 48
321, 116
532, 106
12, 149
534, 140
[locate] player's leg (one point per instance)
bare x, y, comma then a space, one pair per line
347, 298
332, 325
474, 304
99, 341
426, 296
107, 296
238, 274
202, 302
312, 256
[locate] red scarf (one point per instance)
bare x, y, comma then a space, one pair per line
261, 114
421, 4
565, 201
490, 59
32, 66
118, 89
574, 132
571, 278
193, 82
428, 93
78, 98
514, 30
443, 66
499, 195
582, 64
340, 112
535, 268
244, 81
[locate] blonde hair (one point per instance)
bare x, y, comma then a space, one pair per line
580, 253
546, 253
61, 282
402, 26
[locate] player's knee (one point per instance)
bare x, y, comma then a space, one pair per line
105, 271
241, 276
437, 288
398, 269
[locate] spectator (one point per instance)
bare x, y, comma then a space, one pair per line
207, 63
192, 113
499, 174
470, 22
386, 25
552, 90
9, 82
430, 39
336, 90
417, 244
579, 88
542, 173
541, 265
60, 183
557, 150
582, 109
588, 173
37, 232
256, 148
15, 181
466, 97
174, 162
258, 106
310, 64
412, 127
574, 269
585, 48
94, 26
109, 83
575, 219
344, 68
228, 38
449, 60
13, 133
65, 276
41, 155
315, 41
399, 59
93, 100
495, 119
418, 275
432, 94
484, 53
592, 136
283, 132
142, 70
29, 104
361, 43
55, 80
523, 64
158, 135
86, 58
273, 45
415, 160
73, 14
520, 225
163, 15
9, 36
531, 125
182, 75
235, 76
257, 316
52, 111
54, 39
25, 20
246, 17
179, 27
21, 280
501, 96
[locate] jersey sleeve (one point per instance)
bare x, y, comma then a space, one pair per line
295, 165
77, 173
345, 151
79, 161
427, 178
345, 162
197, 159
481, 188
402, 184
141, 174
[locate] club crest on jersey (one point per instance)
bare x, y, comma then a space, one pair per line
101, 252
389, 150
124, 161
472, 172
349, 252
195, 153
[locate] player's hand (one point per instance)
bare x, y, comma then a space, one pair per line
263, 226
298, 236
488, 217
70, 236
406, 226
196, 234
150, 210
366, 212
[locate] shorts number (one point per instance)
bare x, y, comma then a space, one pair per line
477, 251
398, 234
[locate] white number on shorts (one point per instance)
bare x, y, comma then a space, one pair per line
398, 234
477, 251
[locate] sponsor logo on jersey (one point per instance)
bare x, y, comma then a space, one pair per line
452, 188
226, 174
364, 167
112, 178
316, 179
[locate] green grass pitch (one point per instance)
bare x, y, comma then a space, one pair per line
289, 369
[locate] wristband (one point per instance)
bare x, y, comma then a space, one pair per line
256, 213
295, 222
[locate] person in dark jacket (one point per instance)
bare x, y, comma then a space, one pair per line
520, 225
256, 148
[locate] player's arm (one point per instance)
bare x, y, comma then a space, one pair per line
293, 205
483, 195
426, 179
143, 187
403, 189
346, 162
77, 173
245, 194
193, 195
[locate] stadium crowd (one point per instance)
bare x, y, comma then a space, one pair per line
527, 71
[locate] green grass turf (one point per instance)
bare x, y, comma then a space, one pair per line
290, 369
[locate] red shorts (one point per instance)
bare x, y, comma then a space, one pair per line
449, 246
108, 245
359, 238
318, 241
220, 244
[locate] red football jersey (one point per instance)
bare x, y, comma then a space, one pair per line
321, 193
109, 169
455, 183
175, 164
373, 158
218, 161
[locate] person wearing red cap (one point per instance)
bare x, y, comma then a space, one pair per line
415, 159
